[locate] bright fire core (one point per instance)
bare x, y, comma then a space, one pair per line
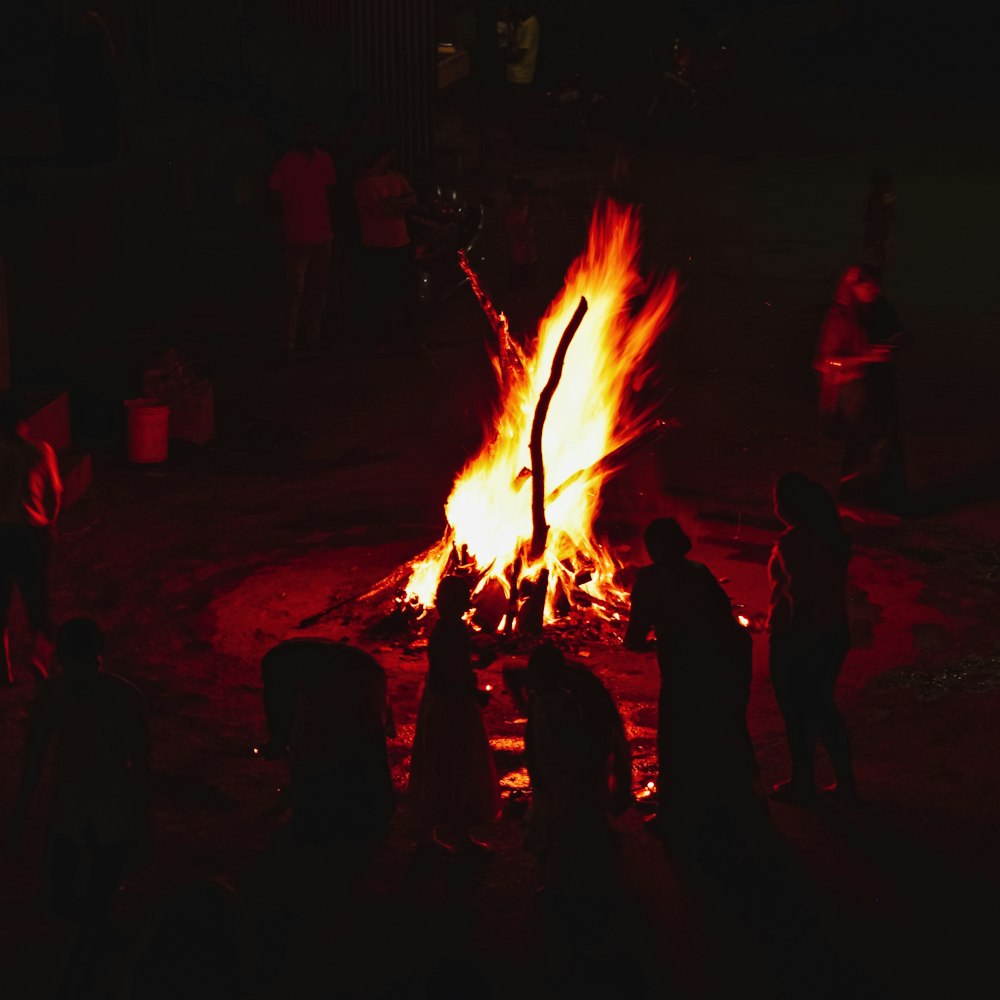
592, 414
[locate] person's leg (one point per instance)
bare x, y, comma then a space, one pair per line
786, 671
317, 283
34, 584
296, 263
830, 723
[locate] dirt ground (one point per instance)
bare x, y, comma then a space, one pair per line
328, 474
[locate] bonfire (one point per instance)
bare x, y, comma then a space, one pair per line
521, 514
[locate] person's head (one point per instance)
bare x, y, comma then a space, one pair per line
792, 498
379, 153
522, 9
79, 645
306, 136
666, 541
881, 180
859, 284
545, 663
453, 597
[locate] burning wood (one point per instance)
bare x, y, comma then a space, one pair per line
539, 529
579, 382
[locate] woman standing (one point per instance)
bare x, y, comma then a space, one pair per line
858, 393
809, 632
453, 779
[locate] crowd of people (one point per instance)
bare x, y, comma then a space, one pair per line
327, 711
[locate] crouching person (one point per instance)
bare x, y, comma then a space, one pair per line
581, 773
327, 710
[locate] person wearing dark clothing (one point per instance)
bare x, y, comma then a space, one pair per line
327, 710
854, 358
809, 635
453, 779
30, 497
580, 767
706, 759
95, 724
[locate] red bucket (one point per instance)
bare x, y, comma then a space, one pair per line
148, 430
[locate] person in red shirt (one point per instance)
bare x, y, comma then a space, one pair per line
300, 181
384, 198
30, 497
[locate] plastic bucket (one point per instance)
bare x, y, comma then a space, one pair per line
148, 429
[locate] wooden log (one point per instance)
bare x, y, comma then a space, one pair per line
539, 529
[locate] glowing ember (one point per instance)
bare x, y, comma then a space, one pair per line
743, 620
591, 416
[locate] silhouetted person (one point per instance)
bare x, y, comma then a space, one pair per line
879, 218
384, 198
30, 496
95, 724
706, 760
453, 779
809, 632
326, 707
854, 357
300, 182
580, 767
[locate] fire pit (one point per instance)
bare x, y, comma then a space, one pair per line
521, 513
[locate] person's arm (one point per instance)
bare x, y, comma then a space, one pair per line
402, 203
640, 618
40, 728
53, 490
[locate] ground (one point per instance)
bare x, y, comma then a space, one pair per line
327, 475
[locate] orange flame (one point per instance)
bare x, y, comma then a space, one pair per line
592, 414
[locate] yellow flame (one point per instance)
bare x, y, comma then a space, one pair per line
591, 414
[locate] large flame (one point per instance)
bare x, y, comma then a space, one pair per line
592, 414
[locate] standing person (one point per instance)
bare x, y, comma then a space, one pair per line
30, 497
879, 218
522, 53
300, 182
809, 632
95, 723
384, 198
854, 358
521, 59
327, 708
453, 778
580, 767
706, 760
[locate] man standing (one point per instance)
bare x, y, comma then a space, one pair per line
300, 180
384, 198
30, 495
523, 54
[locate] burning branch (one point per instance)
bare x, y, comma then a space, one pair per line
497, 319
539, 529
